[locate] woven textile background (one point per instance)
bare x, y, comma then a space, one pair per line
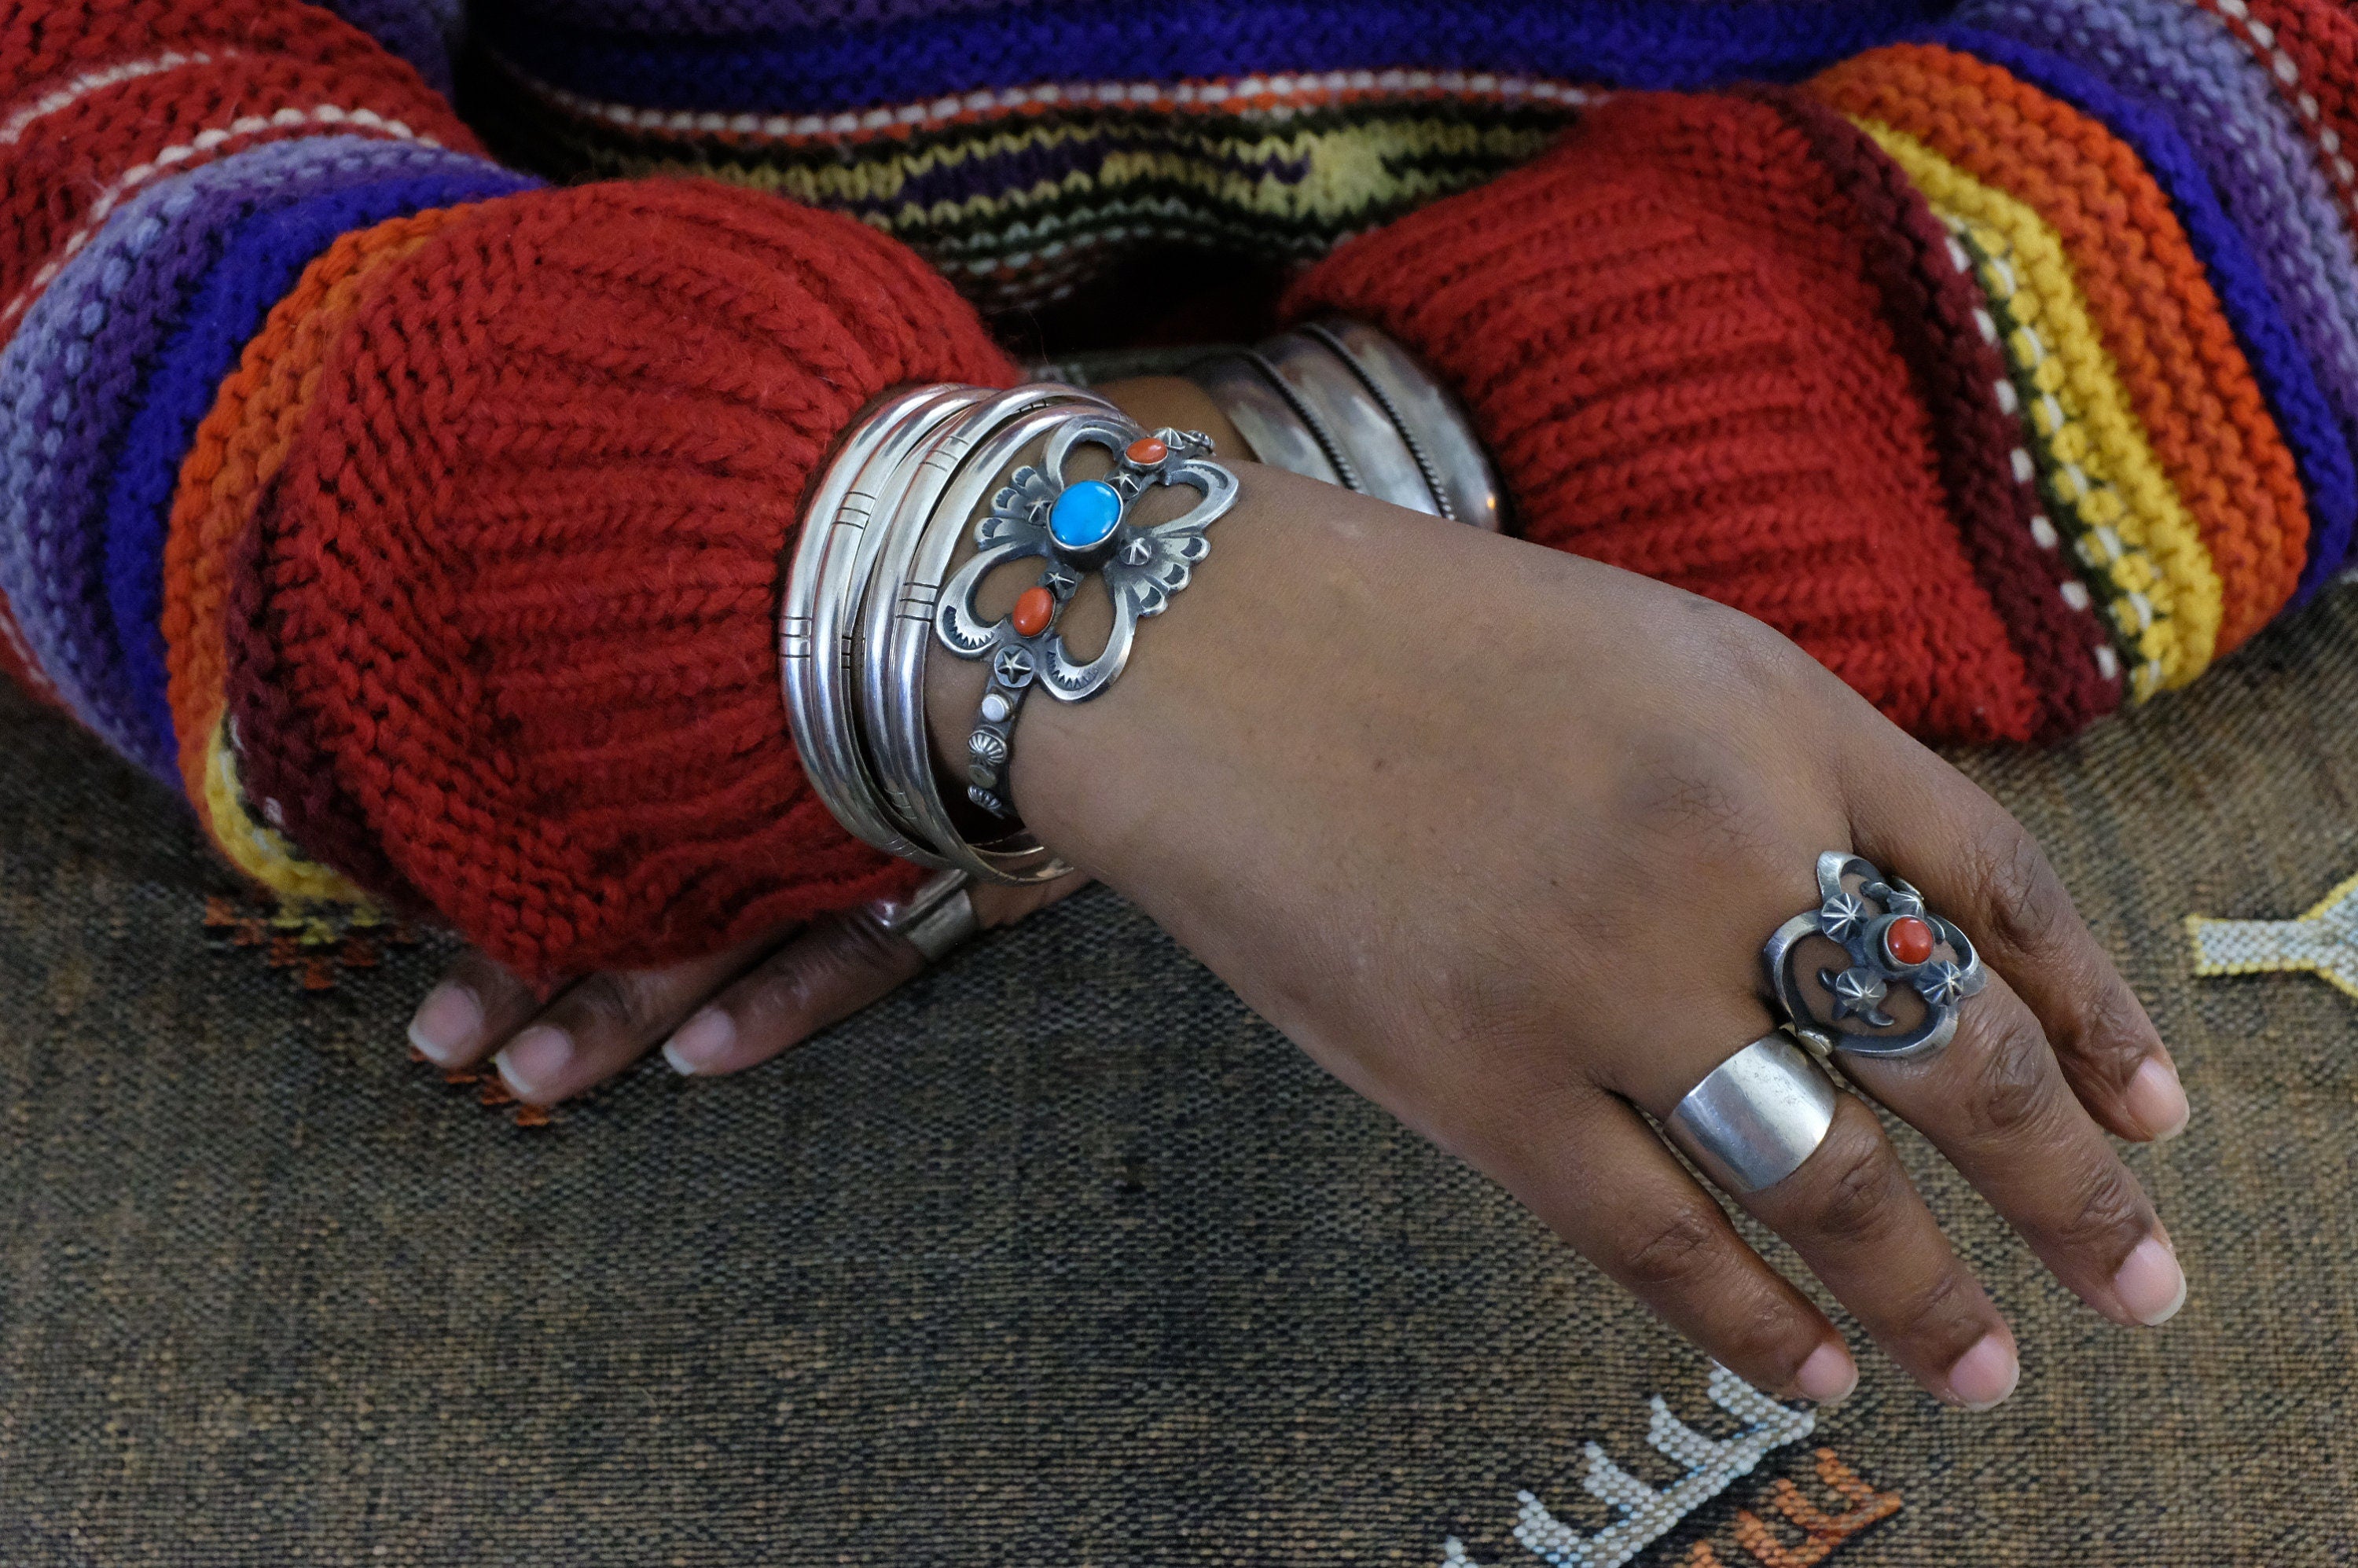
1061, 1258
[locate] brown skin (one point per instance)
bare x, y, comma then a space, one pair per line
1495, 834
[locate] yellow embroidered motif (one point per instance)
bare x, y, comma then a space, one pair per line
2323, 942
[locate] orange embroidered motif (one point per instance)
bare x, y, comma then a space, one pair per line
1762, 1543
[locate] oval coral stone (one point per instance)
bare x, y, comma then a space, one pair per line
1033, 608
1146, 451
1908, 939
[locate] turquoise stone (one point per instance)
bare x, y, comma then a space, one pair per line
1084, 515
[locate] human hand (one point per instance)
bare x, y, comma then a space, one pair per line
1496, 834
717, 1014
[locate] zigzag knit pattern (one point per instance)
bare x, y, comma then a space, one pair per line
1019, 195
2148, 294
520, 571
1670, 331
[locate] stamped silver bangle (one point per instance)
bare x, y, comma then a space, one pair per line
1338, 401
833, 561
1075, 528
898, 630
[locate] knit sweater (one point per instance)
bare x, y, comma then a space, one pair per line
420, 522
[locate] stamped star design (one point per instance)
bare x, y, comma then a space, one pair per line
1857, 990
1013, 665
1842, 915
1060, 579
2322, 941
1137, 553
1941, 983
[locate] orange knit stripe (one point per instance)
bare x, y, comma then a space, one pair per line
239, 449
2148, 293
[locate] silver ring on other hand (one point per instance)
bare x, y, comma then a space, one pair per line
1880, 925
1755, 1116
936, 920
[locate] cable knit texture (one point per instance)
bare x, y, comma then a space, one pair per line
1667, 330
522, 563
2147, 294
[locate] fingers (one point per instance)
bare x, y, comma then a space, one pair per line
471, 1012
1977, 867
832, 969
603, 1022
1996, 1103
1599, 1177
1855, 1219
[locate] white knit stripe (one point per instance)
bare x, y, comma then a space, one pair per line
83, 86
1299, 87
2262, 40
200, 148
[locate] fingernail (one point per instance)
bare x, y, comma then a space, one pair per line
2158, 1100
1984, 1375
445, 1023
2151, 1285
1828, 1376
534, 1059
701, 1041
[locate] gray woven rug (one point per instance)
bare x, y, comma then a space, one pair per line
1061, 1258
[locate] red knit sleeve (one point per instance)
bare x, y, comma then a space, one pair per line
514, 617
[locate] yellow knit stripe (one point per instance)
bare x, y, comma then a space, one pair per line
2186, 594
260, 851
2071, 471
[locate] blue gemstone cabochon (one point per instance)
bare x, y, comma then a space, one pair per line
1084, 515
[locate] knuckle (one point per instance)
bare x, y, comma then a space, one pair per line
1671, 1250
2012, 1083
1691, 803
608, 1001
2024, 907
1945, 1315
1861, 1188
2111, 1205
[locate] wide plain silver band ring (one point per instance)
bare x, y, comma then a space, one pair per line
936, 920
1756, 1116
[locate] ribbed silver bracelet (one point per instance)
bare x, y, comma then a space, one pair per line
1338, 401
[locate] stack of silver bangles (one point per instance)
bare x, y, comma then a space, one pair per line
1336, 400
869, 590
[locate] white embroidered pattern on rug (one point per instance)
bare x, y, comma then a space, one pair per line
2323, 941
1649, 1514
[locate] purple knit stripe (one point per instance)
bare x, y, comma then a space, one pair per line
2265, 174
2298, 404
707, 17
72, 378
812, 69
408, 29
261, 259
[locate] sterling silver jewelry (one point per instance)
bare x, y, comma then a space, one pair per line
1755, 1116
1075, 528
1338, 401
936, 920
1880, 923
